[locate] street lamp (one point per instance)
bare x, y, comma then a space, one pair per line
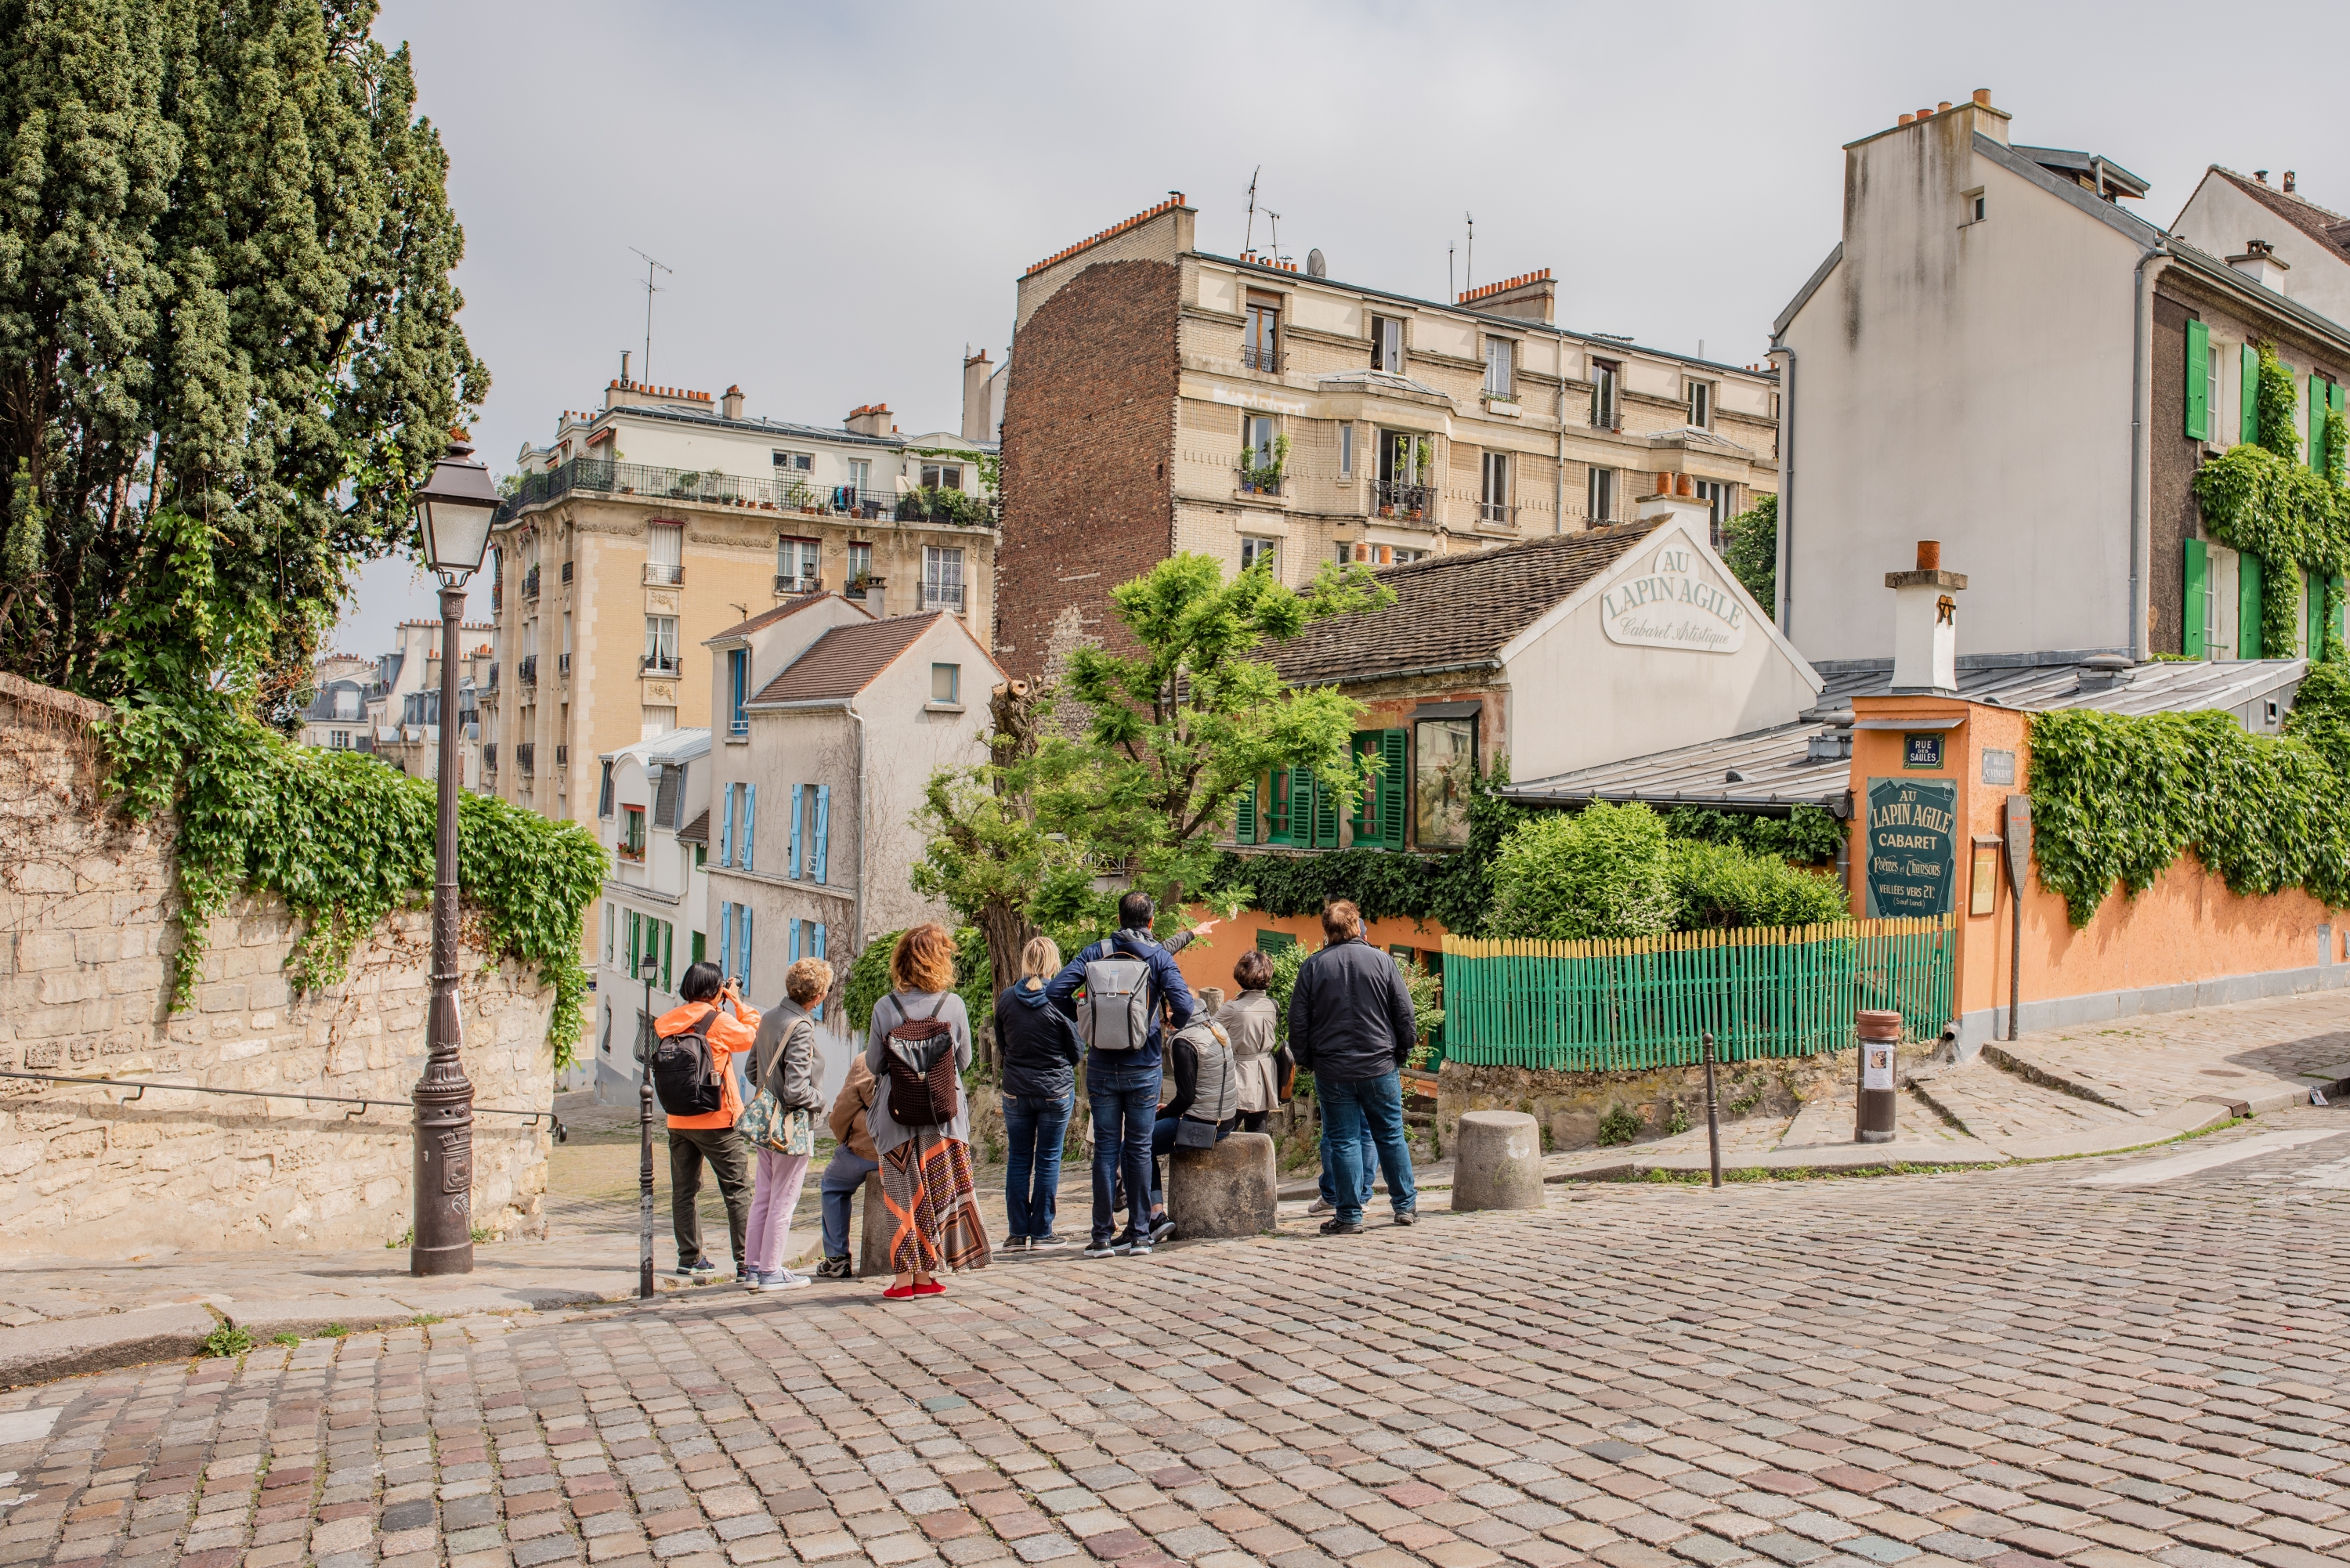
648, 966
453, 524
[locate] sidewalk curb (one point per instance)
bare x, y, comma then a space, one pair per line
68, 1346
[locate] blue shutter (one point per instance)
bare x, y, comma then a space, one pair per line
726, 831
792, 854
815, 949
744, 971
726, 937
794, 947
750, 824
823, 831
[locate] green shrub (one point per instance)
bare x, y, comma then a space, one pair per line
1810, 836
868, 978
1422, 982
1718, 887
227, 1340
1603, 872
1618, 1126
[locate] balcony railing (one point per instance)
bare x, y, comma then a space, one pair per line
562, 756
566, 574
526, 671
785, 583
1266, 359
784, 493
659, 576
1408, 501
1497, 513
525, 755
943, 597
563, 665
530, 584
659, 664
858, 587
490, 758
1259, 481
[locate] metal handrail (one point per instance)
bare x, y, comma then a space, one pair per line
1389, 495
562, 1134
793, 493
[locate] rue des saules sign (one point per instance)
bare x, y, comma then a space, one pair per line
1677, 603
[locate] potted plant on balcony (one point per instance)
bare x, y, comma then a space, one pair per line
1266, 480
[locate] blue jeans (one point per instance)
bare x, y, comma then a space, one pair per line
1367, 1154
1033, 1127
1125, 1107
1366, 1110
1162, 1142
842, 1178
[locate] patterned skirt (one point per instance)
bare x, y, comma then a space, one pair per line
933, 1206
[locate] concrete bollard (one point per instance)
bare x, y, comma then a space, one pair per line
1226, 1190
873, 1231
1497, 1161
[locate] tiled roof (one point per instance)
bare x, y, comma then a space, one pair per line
1452, 611
769, 618
697, 831
2329, 228
844, 661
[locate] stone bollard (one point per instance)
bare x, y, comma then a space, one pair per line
1227, 1190
873, 1231
1497, 1161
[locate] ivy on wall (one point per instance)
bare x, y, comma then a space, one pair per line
2118, 798
346, 840
2261, 499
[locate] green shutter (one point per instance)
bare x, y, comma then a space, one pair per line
1274, 941
2248, 395
1301, 807
1245, 815
2199, 381
1363, 823
2336, 629
2192, 605
1325, 817
2317, 424
1394, 789
2248, 605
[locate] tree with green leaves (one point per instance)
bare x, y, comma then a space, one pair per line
1750, 548
225, 297
1197, 713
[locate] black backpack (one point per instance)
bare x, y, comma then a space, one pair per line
685, 1073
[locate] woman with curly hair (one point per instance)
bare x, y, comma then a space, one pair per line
918, 1047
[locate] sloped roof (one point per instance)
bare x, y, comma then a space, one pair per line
770, 617
2329, 228
697, 831
846, 659
1454, 611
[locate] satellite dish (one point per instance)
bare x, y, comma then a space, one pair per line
1315, 265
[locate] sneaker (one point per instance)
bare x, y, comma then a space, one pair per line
784, 1280
1161, 1228
899, 1293
833, 1269
1046, 1243
1103, 1247
1319, 1206
700, 1271
1134, 1244
1407, 1217
1342, 1228
1014, 1244
749, 1279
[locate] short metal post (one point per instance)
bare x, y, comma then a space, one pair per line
1712, 1112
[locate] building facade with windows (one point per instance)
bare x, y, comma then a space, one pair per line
2001, 356
652, 806
1164, 399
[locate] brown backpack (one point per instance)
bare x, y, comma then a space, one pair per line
920, 1054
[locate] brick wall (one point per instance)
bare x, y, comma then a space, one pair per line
1088, 439
86, 929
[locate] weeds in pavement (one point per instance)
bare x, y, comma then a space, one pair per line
227, 1340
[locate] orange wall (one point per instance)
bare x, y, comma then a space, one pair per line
1208, 961
2186, 927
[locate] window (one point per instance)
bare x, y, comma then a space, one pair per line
632, 832
797, 462
608, 908
1386, 345
861, 475
860, 564
738, 690
338, 740
603, 793
1299, 811
1276, 810
1501, 360
942, 580
1444, 765
1606, 411
1700, 404
1494, 498
1346, 450
1256, 439
796, 569
1255, 553
806, 851
1970, 207
1405, 556
665, 552
942, 476
1599, 496
1379, 818
946, 683
1261, 339
660, 643
1721, 499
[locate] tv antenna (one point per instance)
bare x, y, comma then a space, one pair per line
1248, 235
1450, 251
1469, 262
1276, 234
650, 289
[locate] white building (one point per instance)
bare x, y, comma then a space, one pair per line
2310, 244
652, 803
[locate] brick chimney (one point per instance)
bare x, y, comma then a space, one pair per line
869, 419
1926, 626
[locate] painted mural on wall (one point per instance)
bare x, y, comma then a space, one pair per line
1913, 847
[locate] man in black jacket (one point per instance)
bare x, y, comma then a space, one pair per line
1350, 1025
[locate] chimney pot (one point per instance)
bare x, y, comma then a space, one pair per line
1906, 119
2288, 182
1929, 555
1684, 485
1925, 114
1664, 484
1943, 107
1982, 97
2262, 175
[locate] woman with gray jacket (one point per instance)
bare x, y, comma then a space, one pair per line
1250, 1019
926, 1182
784, 1063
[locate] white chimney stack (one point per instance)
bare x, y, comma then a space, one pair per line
2260, 264
1926, 626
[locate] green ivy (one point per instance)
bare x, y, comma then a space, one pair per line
868, 978
2257, 497
2118, 798
346, 840
1808, 837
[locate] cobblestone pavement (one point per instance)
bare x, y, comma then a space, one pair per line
2001, 1367
2236, 1051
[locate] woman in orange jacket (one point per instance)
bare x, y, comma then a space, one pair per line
710, 1136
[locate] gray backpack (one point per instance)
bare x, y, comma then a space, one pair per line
1114, 1014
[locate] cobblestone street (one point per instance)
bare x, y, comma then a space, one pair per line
2001, 1367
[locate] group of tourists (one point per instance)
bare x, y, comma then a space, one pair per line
1165, 1069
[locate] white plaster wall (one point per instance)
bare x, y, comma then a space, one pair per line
1577, 700
2219, 218
1966, 384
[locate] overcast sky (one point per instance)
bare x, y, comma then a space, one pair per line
848, 195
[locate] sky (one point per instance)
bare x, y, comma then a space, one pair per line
845, 196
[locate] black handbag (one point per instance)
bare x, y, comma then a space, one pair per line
1285, 1075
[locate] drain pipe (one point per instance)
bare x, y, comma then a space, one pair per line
2140, 522
1786, 605
857, 918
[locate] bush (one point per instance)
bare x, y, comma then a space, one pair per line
1603, 872
1427, 990
1718, 887
1618, 1126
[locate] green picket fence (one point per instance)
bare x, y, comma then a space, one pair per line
1608, 1006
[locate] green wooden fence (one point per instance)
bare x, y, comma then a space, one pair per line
1603, 1006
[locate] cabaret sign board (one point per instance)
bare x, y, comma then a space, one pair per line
1676, 604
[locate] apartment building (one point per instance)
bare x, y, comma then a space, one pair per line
1164, 399
644, 526
2309, 243
391, 705
653, 814
2000, 355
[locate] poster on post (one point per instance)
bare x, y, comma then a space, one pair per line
1913, 847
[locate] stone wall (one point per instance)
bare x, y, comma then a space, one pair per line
86, 931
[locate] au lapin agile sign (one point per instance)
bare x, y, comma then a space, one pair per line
1913, 847
1674, 604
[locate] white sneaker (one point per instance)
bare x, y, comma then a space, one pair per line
1319, 1207
784, 1280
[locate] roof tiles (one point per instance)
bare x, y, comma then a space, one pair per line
846, 659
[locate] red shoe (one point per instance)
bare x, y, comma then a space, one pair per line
928, 1288
900, 1292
